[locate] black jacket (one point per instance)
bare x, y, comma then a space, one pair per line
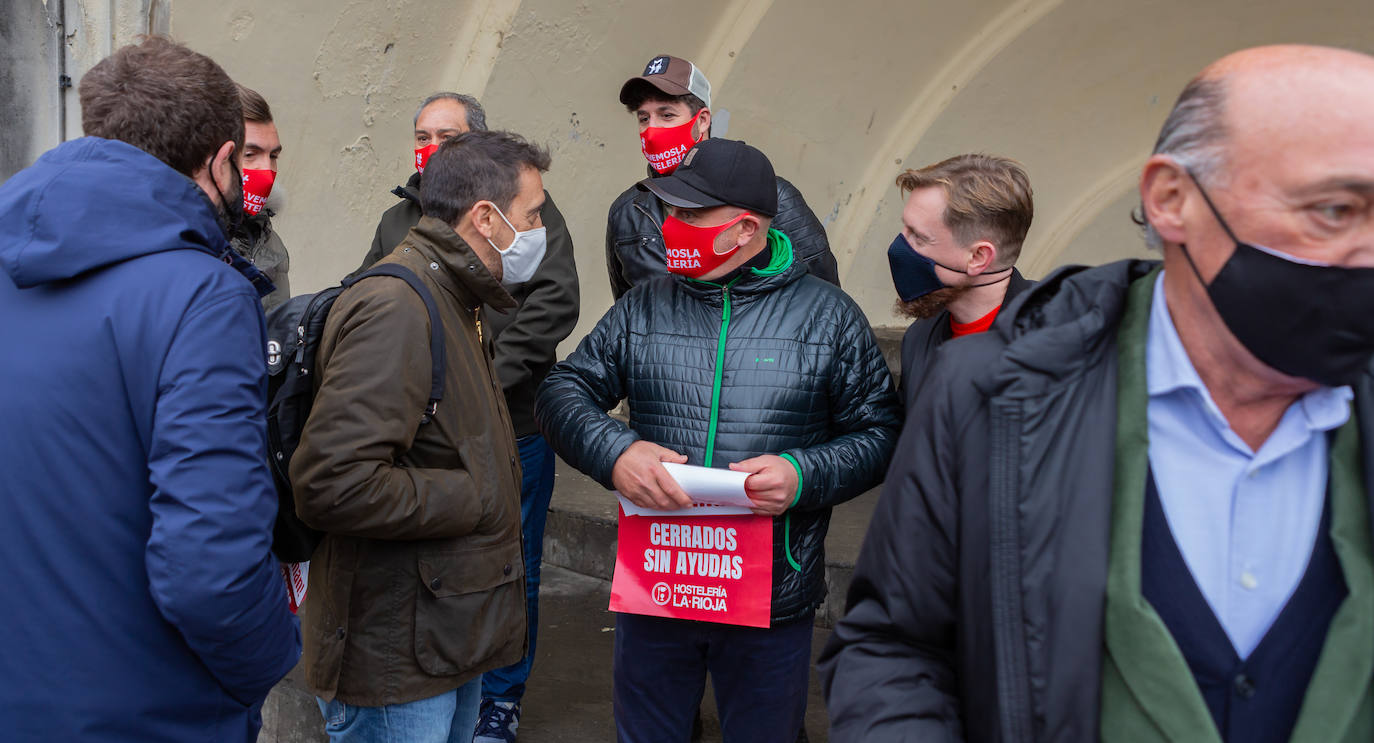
525, 340
634, 237
802, 375
975, 612
925, 336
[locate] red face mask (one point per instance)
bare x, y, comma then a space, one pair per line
257, 184
692, 250
664, 146
422, 156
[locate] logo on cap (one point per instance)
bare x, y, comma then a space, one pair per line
656, 66
691, 155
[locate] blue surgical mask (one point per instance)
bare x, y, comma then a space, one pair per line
914, 274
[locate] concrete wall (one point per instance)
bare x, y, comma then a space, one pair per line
29, 35
841, 96
41, 40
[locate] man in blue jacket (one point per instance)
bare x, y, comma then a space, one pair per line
141, 599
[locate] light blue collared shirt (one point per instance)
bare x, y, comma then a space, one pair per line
1244, 520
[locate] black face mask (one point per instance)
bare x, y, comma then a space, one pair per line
914, 274
1306, 320
230, 212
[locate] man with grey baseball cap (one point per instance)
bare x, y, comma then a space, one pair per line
672, 101
796, 394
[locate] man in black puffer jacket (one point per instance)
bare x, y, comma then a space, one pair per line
672, 101
742, 360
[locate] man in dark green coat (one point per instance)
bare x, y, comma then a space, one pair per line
525, 342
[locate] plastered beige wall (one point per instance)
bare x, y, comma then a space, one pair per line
841, 96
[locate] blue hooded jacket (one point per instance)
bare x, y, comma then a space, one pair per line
141, 601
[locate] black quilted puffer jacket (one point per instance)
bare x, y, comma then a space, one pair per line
634, 237
774, 361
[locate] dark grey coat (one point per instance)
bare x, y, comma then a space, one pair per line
802, 374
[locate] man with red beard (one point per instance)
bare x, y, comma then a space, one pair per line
953, 265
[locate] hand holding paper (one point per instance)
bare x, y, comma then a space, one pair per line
771, 485
711, 492
639, 476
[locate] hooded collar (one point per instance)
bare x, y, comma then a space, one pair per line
91, 203
456, 267
411, 190
1060, 327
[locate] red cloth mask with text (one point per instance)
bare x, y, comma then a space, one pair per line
422, 156
691, 250
257, 184
664, 146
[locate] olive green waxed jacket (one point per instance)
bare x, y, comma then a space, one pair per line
418, 586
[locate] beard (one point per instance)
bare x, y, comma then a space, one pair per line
229, 213
930, 305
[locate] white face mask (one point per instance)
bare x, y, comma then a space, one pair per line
524, 254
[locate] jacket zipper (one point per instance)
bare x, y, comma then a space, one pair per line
720, 371
715, 414
657, 225
1009, 646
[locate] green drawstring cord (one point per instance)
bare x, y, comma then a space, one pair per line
787, 542
787, 520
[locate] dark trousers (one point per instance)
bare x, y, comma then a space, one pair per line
760, 678
536, 462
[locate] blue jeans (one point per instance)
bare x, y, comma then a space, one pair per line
760, 675
447, 718
536, 489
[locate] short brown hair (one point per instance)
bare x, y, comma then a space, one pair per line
986, 198
255, 108
161, 97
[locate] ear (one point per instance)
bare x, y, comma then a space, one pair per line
749, 227
1163, 196
482, 215
703, 124
982, 257
220, 169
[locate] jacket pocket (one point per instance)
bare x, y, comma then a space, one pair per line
470, 609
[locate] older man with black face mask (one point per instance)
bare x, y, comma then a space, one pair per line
1138, 508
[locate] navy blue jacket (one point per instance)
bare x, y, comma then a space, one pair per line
141, 601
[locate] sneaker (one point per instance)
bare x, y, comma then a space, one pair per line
496, 722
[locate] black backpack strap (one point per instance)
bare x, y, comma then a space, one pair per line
436, 326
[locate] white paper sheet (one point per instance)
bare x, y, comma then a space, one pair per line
714, 492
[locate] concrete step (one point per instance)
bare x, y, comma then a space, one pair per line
581, 535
